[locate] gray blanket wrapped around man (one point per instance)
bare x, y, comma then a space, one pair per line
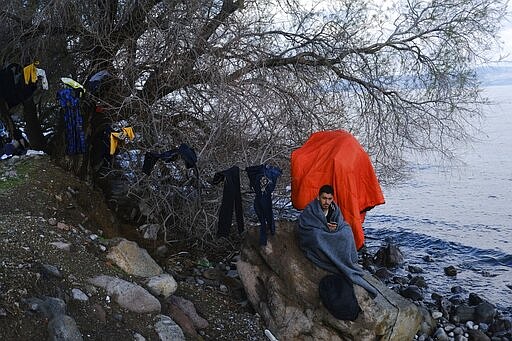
334, 251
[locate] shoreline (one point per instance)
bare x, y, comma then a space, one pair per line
454, 313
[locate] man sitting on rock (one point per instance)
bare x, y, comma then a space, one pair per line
327, 240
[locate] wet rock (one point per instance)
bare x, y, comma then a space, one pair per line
478, 335
437, 314
162, 285
415, 269
450, 271
485, 312
127, 295
501, 325
436, 297
133, 259
419, 281
474, 299
383, 273
400, 280
457, 289
456, 299
464, 313
428, 258
428, 323
412, 292
168, 330
444, 306
388, 256
440, 335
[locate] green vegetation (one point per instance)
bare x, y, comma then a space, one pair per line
10, 181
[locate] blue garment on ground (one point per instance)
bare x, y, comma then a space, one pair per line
263, 180
75, 137
334, 251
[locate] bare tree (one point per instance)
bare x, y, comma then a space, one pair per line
245, 82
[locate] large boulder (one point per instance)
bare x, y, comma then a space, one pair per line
133, 259
282, 285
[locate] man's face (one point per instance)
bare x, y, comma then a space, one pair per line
325, 200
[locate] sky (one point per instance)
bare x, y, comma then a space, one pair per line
506, 34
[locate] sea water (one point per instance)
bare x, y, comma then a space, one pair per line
459, 214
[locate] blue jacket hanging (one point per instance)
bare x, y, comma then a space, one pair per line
75, 137
263, 180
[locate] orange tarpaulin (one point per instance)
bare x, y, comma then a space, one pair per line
336, 158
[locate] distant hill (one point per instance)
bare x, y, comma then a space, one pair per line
495, 75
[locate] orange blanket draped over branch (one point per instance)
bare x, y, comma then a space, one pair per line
336, 158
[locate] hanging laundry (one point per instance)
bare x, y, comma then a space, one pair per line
263, 180
12, 87
231, 198
30, 73
94, 83
125, 134
187, 153
41, 75
71, 83
75, 137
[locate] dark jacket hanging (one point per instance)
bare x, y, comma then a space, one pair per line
231, 197
263, 180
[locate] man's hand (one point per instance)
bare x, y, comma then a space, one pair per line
332, 226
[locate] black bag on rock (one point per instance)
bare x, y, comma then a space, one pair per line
338, 297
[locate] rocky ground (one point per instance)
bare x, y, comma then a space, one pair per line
56, 234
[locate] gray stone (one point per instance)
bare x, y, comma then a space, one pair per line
450, 271
128, 295
478, 335
133, 259
51, 270
485, 312
282, 286
440, 335
188, 309
388, 256
79, 295
138, 337
150, 231
162, 251
62, 246
63, 328
162, 285
49, 306
464, 313
412, 292
168, 330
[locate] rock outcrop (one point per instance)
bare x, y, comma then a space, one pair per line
282, 285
